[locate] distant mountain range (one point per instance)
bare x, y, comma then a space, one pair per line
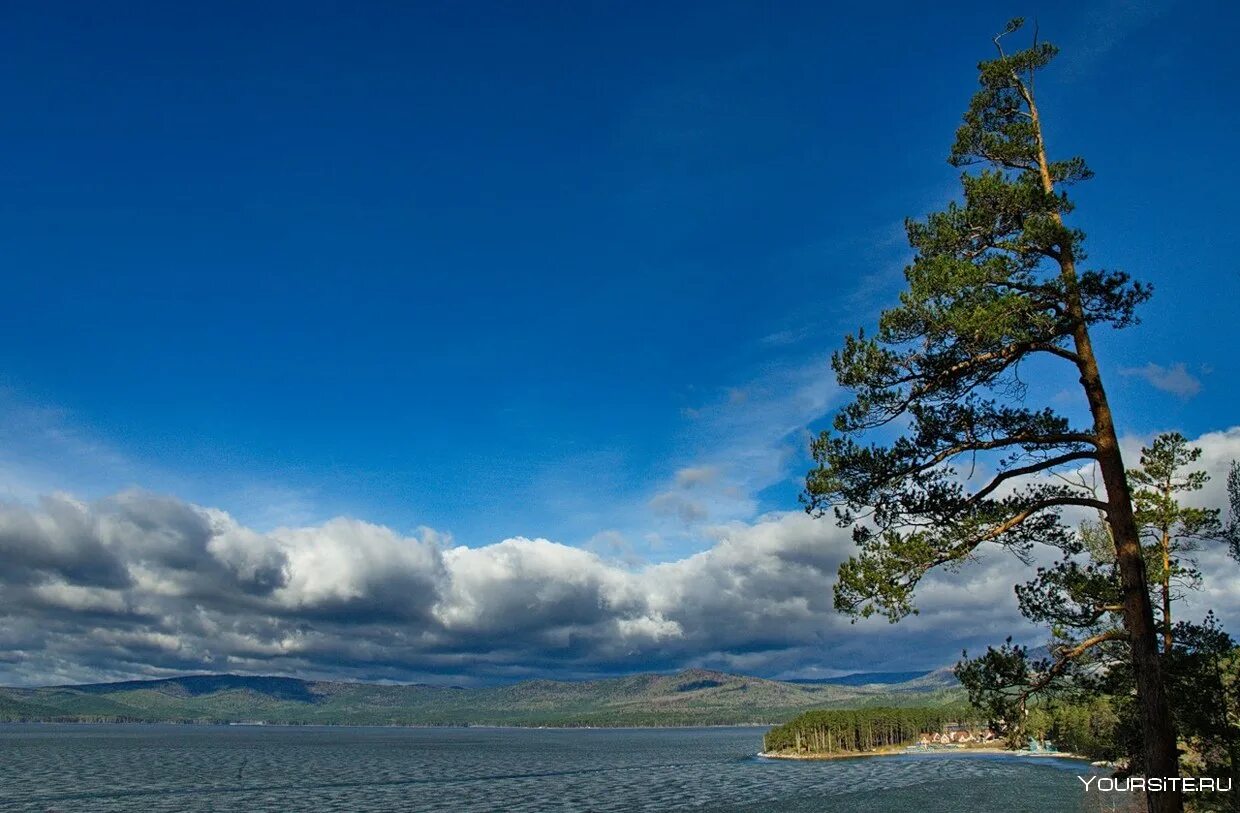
692, 697
863, 678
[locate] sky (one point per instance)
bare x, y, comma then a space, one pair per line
481, 341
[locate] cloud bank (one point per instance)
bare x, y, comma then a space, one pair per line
139, 584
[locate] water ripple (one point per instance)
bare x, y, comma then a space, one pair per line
162, 769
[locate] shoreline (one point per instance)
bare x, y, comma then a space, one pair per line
888, 752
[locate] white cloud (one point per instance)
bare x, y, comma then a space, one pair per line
346, 560
1175, 379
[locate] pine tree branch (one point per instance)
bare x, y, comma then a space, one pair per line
1010, 353
1033, 468
1059, 439
1040, 505
964, 548
1065, 657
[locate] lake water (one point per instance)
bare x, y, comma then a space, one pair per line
151, 769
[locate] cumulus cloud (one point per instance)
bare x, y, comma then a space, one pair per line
1175, 379
140, 584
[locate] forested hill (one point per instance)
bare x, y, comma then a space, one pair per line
693, 697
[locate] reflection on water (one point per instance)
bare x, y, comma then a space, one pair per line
152, 769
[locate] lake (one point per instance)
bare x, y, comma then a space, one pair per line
152, 768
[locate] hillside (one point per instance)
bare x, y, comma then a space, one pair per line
693, 697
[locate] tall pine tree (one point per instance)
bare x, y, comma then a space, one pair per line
996, 282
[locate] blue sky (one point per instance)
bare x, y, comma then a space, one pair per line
551, 270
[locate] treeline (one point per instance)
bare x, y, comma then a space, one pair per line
1087, 726
856, 730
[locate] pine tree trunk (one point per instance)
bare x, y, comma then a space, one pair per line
1157, 728
1158, 731
1166, 590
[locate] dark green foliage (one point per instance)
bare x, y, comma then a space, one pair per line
857, 730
